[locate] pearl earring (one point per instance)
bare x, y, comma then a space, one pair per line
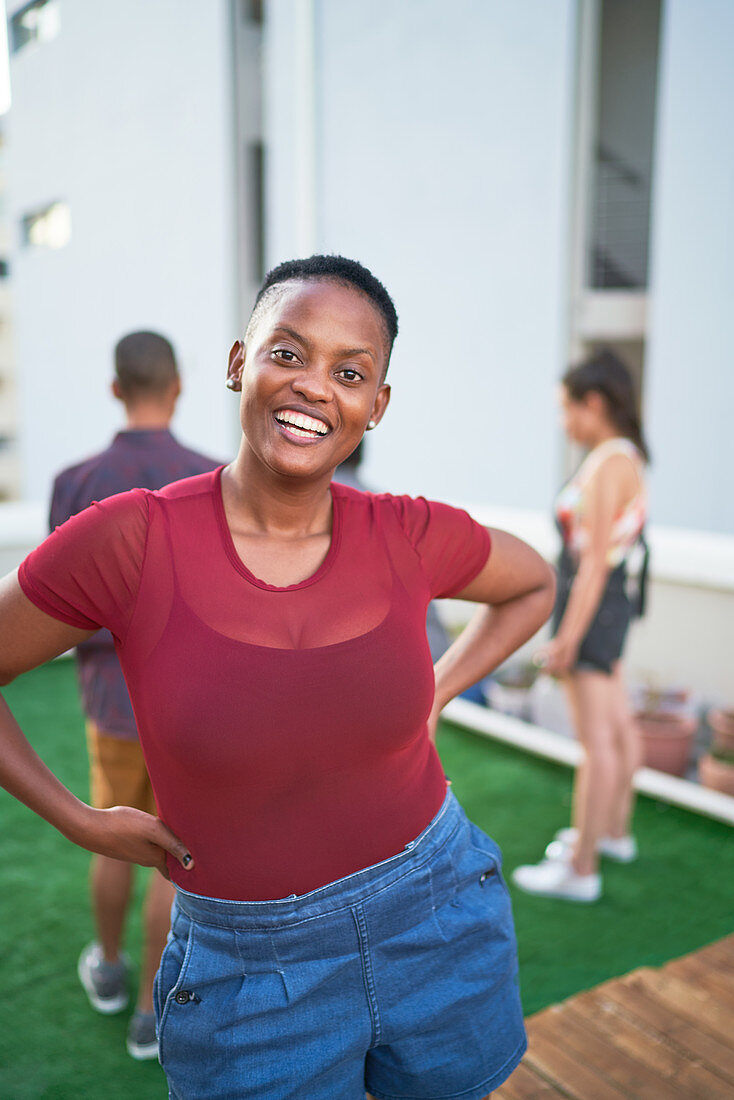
371, 424
231, 384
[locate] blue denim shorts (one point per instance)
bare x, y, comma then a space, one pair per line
400, 979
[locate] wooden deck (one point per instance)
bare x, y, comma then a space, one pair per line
664, 1034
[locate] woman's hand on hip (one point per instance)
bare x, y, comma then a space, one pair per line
133, 835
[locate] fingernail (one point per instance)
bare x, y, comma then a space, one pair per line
186, 860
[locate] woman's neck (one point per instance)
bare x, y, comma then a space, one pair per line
263, 501
603, 436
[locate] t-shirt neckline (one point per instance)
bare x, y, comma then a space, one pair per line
239, 565
142, 434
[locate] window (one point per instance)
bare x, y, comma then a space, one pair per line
252, 11
621, 172
36, 22
48, 228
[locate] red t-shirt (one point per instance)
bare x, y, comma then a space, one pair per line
284, 728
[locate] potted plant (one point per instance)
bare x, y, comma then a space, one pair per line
716, 767
716, 770
667, 729
721, 722
509, 689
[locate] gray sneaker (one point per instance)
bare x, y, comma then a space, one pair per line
105, 983
142, 1042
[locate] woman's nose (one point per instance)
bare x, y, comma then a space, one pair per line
313, 384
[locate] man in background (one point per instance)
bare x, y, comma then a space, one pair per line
144, 455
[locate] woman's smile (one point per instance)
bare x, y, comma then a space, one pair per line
299, 425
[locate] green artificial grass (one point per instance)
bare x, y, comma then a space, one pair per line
52, 1044
676, 898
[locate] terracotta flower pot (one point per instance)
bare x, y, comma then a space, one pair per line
510, 690
716, 774
667, 740
722, 723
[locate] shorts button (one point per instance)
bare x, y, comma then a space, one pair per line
183, 997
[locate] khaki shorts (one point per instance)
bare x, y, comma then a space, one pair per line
117, 772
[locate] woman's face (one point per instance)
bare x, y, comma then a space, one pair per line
580, 418
312, 377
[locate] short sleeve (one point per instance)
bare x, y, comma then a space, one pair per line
451, 545
87, 572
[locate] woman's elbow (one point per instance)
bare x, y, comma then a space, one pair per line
6, 677
549, 587
545, 591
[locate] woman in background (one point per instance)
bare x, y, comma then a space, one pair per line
600, 514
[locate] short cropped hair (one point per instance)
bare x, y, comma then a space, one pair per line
145, 365
337, 269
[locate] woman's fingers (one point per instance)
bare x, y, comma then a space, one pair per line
170, 842
123, 832
556, 658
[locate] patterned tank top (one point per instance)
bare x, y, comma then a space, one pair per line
570, 504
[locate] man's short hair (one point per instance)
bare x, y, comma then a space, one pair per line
145, 365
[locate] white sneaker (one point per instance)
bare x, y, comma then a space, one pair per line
622, 849
556, 878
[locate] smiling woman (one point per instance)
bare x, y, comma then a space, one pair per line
301, 367
339, 923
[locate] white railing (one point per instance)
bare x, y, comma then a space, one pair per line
554, 746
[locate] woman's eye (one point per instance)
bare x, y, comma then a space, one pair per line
284, 355
349, 374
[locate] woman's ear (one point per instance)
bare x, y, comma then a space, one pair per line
235, 366
595, 402
382, 400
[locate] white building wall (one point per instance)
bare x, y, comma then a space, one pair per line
127, 116
443, 147
689, 394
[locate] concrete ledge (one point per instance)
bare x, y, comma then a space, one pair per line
22, 524
702, 559
554, 746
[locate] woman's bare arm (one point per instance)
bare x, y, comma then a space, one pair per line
28, 638
517, 588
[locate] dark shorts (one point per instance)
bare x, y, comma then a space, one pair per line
604, 641
400, 979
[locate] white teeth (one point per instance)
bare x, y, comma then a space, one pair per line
297, 420
301, 431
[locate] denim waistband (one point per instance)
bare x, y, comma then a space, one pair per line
340, 894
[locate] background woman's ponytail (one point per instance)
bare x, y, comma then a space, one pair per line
606, 374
